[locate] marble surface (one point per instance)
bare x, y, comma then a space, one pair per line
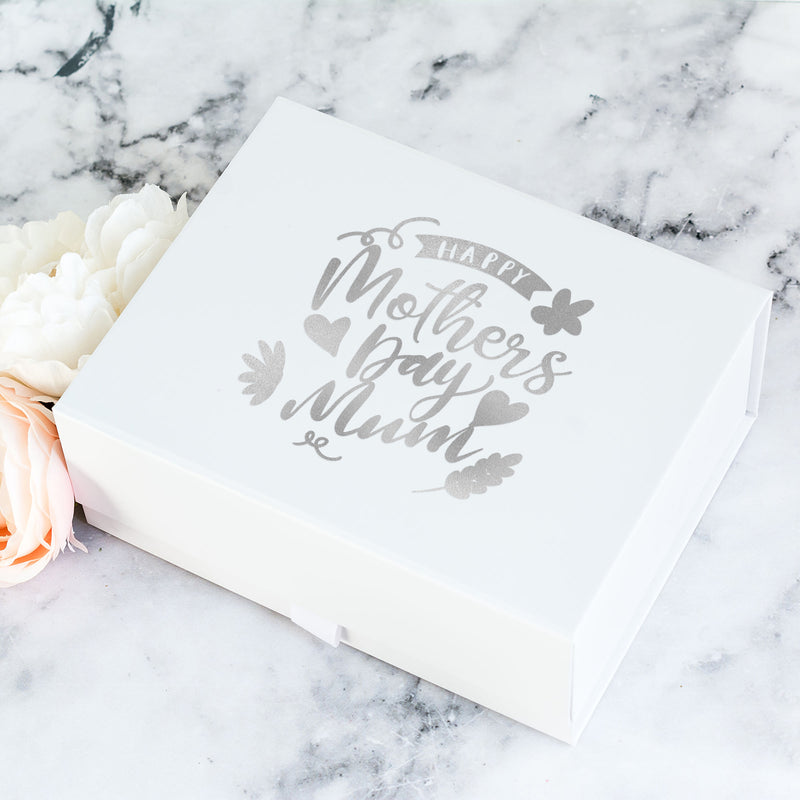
122, 676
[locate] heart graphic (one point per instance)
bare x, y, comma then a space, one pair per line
328, 335
495, 409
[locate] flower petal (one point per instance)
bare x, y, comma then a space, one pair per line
36, 498
561, 299
541, 314
581, 307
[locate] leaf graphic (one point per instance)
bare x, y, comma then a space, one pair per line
266, 372
483, 473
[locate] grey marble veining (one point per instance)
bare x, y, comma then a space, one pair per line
123, 676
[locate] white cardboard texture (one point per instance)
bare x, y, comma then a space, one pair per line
476, 431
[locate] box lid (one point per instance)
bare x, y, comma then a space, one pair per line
466, 380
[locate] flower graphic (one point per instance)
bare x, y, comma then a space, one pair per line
563, 314
266, 372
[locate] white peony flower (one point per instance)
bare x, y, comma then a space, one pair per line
126, 238
50, 325
36, 247
63, 284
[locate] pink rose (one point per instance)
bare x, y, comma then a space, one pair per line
36, 499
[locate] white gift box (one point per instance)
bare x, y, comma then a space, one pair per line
420, 413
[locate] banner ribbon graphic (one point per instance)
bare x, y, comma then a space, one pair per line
521, 279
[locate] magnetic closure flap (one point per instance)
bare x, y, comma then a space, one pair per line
324, 629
